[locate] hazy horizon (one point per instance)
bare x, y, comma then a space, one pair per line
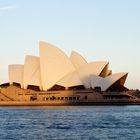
97, 29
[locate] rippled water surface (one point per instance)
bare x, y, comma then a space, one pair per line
70, 123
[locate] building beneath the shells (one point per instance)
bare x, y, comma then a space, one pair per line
55, 78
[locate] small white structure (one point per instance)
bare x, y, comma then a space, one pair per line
105, 70
16, 74
77, 60
109, 72
32, 74
93, 68
108, 81
70, 80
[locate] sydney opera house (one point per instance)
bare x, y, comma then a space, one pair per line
54, 70
55, 77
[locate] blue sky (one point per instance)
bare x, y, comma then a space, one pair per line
98, 29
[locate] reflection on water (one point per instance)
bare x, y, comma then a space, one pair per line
70, 122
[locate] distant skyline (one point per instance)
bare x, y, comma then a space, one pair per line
97, 29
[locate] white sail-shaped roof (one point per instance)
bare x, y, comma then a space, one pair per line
109, 72
32, 71
54, 65
16, 74
107, 82
96, 81
93, 68
70, 80
104, 72
77, 60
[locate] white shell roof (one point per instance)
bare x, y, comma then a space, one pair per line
93, 68
107, 82
54, 65
32, 71
77, 60
104, 71
70, 80
109, 72
16, 73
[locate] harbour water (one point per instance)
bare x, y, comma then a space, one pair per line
70, 123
